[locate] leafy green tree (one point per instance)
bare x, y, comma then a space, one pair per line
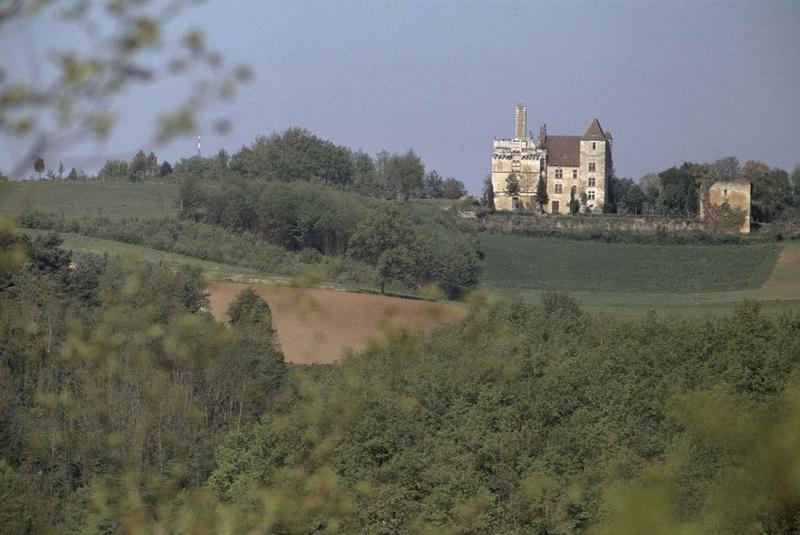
114, 170
488, 193
651, 187
397, 265
38, 166
295, 154
628, 197
795, 186
364, 174
512, 185
249, 308
401, 175
381, 231
453, 189
434, 186
771, 190
726, 168
138, 167
680, 188
541, 194
165, 170
574, 202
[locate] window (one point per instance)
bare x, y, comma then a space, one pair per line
574, 173
591, 194
559, 173
559, 188
592, 182
594, 145
592, 167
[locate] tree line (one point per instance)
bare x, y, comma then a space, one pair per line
298, 155
676, 191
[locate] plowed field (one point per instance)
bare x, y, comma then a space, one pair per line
321, 326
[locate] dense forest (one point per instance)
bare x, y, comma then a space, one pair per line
125, 407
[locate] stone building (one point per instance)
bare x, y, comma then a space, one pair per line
721, 202
575, 168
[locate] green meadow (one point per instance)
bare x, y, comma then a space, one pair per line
95, 199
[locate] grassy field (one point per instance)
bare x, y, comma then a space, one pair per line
630, 280
559, 264
75, 199
214, 270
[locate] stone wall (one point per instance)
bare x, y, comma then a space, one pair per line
722, 198
619, 223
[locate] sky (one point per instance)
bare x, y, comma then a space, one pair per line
673, 81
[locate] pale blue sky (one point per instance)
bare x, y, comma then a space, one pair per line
673, 81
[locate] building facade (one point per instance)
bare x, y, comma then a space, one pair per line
575, 169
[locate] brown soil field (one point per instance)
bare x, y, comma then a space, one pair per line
320, 326
786, 273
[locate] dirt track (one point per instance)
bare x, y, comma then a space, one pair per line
786, 273
321, 326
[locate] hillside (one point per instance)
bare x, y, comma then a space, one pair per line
628, 279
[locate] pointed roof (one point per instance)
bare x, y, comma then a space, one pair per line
595, 132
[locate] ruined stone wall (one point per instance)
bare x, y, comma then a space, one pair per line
723, 197
508, 223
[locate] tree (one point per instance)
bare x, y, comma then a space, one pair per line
488, 193
541, 194
38, 166
60, 171
364, 174
453, 189
88, 76
795, 186
396, 264
249, 308
138, 167
512, 185
73, 174
574, 203
726, 168
651, 187
628, 196
151, 167
295, 154
403, 175
114, 170
433, 187
679, 188
165, 170
771, 190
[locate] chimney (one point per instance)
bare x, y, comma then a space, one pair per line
522, 122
